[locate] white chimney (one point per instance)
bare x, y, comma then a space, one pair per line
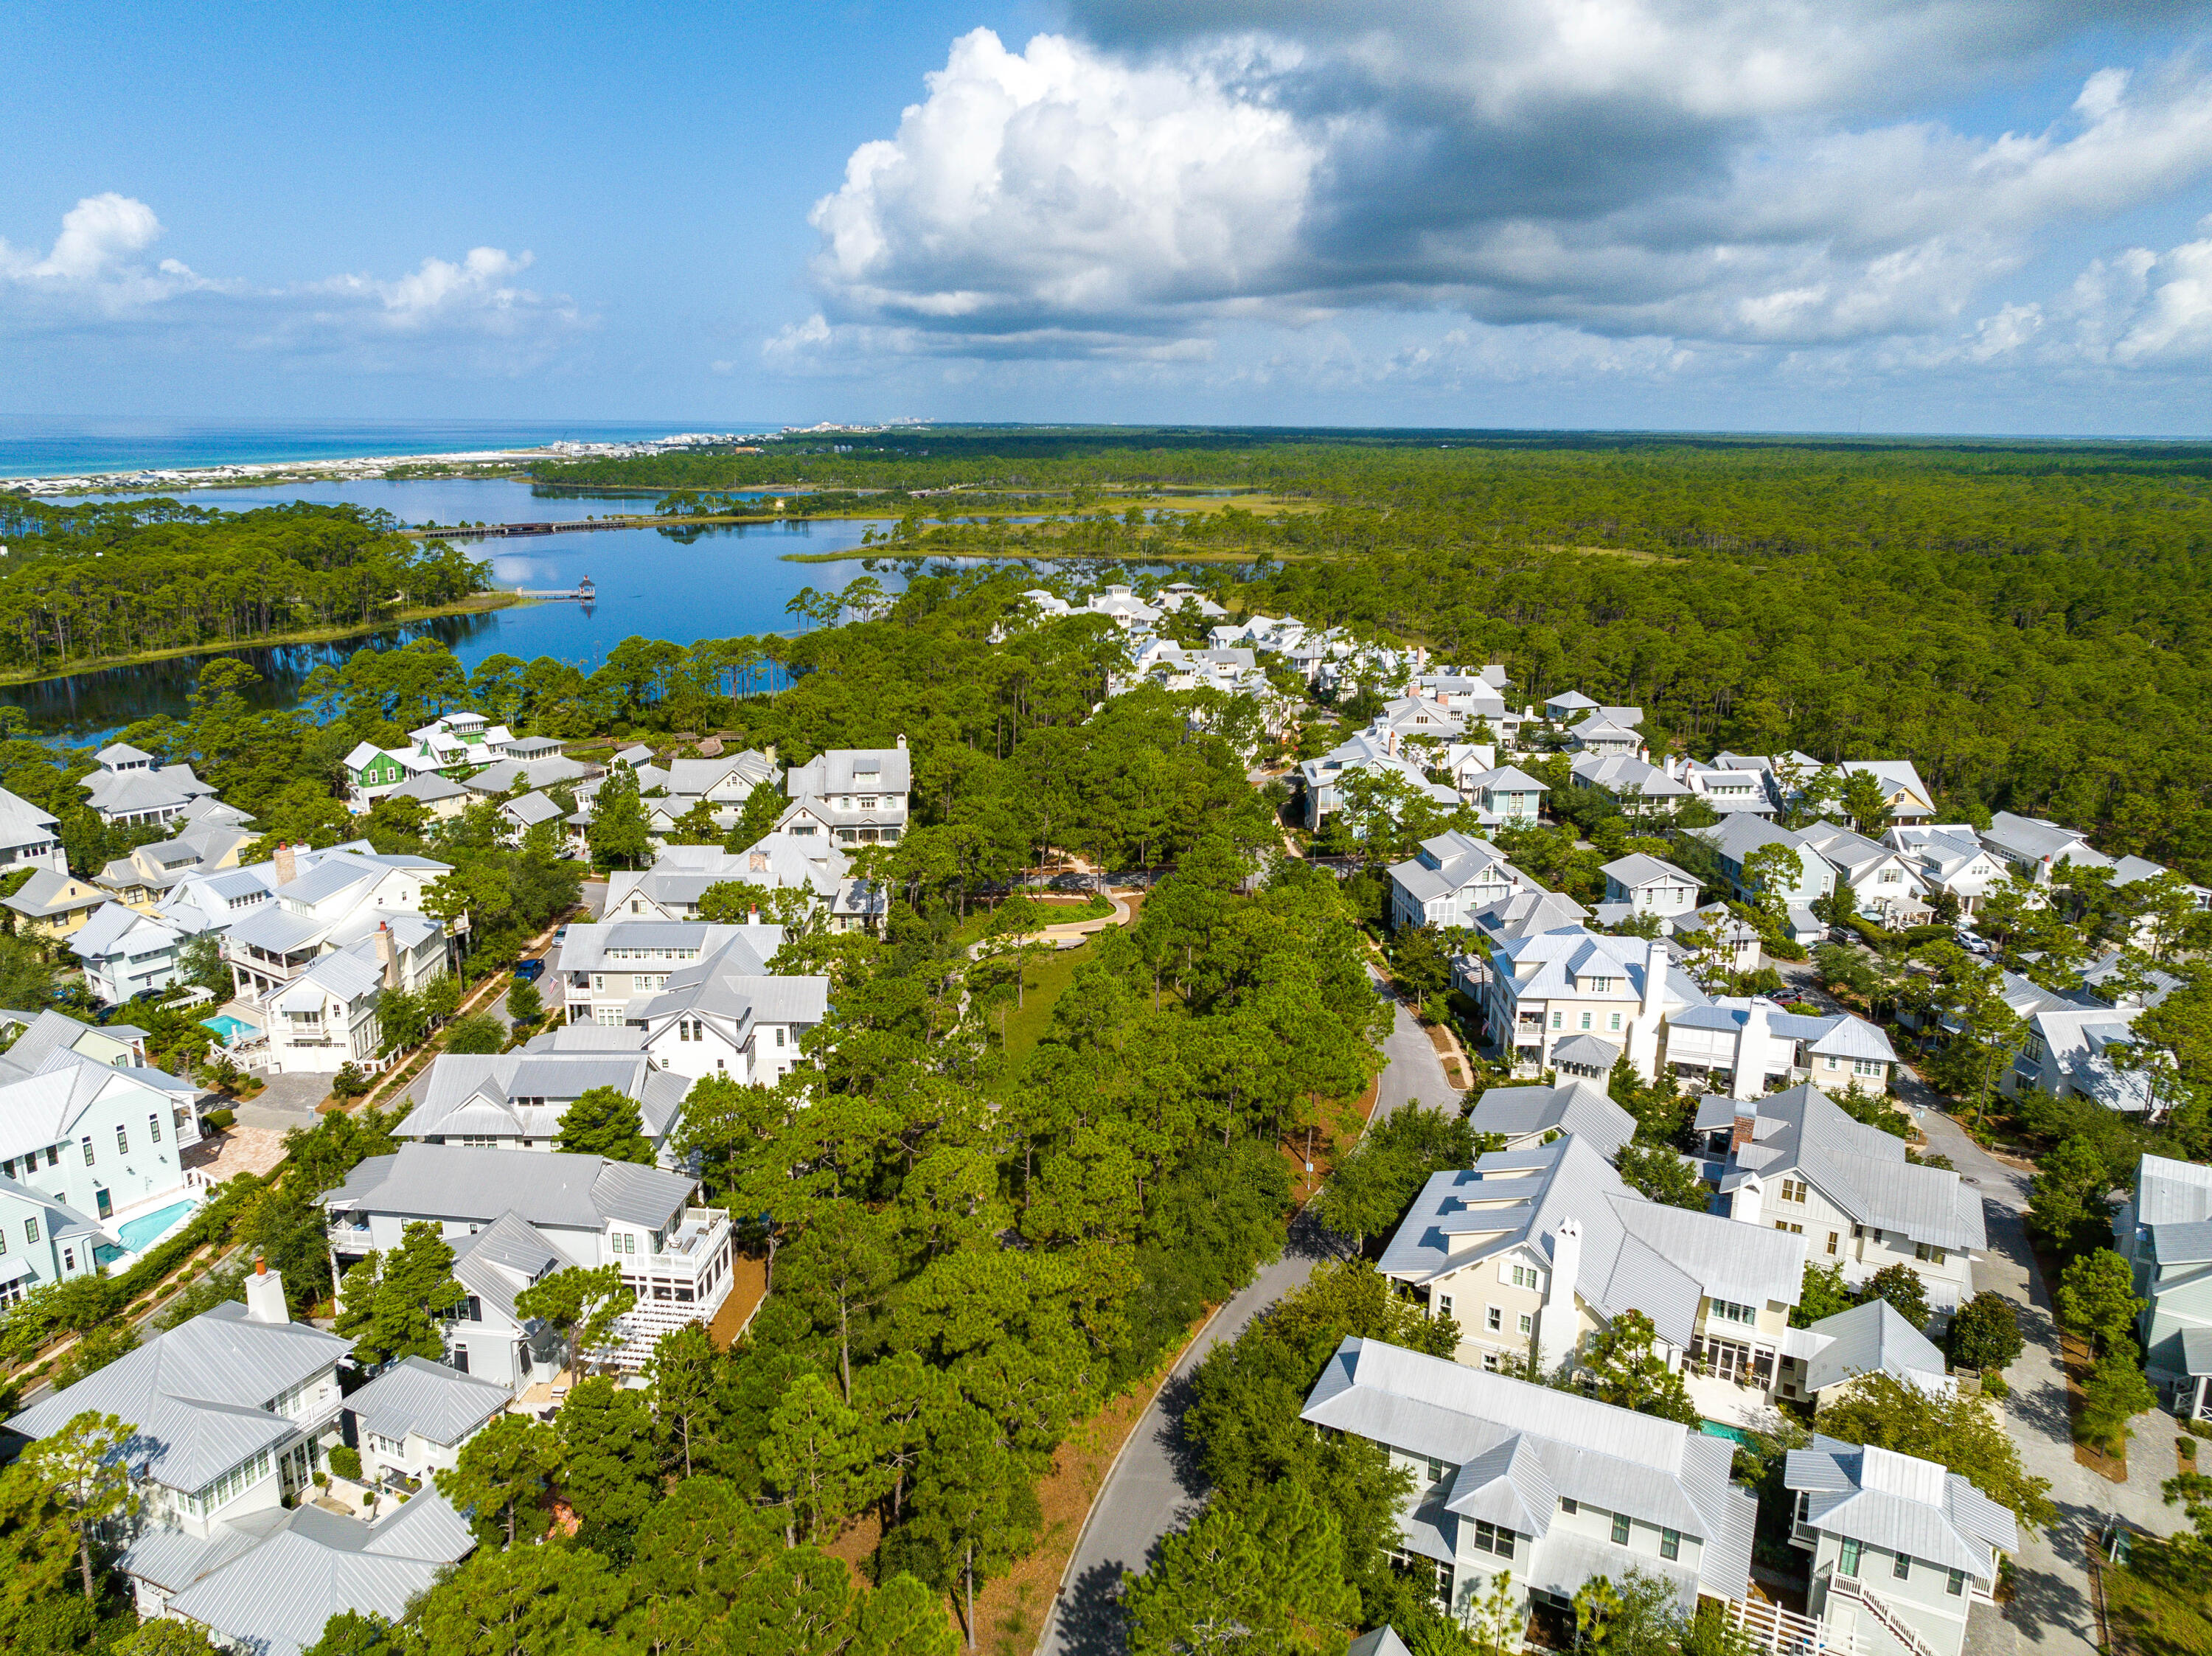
265, 1295
1745, 1204
1657, 957
1559, 1330
1751, 1046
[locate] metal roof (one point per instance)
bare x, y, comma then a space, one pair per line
1861, 1170
545, 1187
1874, 1339
426, 1398
1581, 1107
1902, 1504
2168, 1191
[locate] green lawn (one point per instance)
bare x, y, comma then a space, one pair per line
1050, 973
2156, 1604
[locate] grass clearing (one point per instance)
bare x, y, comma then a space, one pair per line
1047, 977
2154, 1604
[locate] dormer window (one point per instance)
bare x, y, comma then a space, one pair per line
1598, 986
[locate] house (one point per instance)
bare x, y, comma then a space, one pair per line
1739, 837
671, 888
1908, 800
516, 1100
1650, 885
1567, 704
852, 796
1901, 1547
1527, 1116
85, 1122
1538, 990
1373, 752
1884, 882
1533, 1251
487, 1336
412, 1419
209, 841
2069, 1054
2164, 1231
2108, 979
1448, 879
43, 1241
52, 904
372, 772
1732, 941
1729, 783
1639, 789
442, 797
234, 1411
724, 783
129, 789
1793, 1161
125, 952
270, 1583
325, 1016
521, 815
2037, 847
454, 745
1949, 860
1751, 1044
325, 901
501, 777
1505, 797
1609, 733
727, 1013
604, 967
28, 834
1512, 1479
589, 1212
1819, 1363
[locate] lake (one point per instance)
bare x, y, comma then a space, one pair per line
678, 585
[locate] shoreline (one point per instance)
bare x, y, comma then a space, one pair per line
480, 603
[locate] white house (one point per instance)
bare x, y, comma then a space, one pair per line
1794, 1162
1885, 883
1511, 1478
1450, 878
852, 796
2164, 1231
125, 952
325, 901
675, 1257
1524, 1117
1949, 858
516, 1100
28, 834
1750, 1043
1650, 885
1640, 789
1901, 1547
1546, 987
412, 1419
326, 1016
1741, 836
129, 789
2069, 1054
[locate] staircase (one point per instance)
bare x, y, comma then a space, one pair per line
1785, 1633
1885, 1613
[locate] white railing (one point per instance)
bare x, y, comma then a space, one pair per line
1885, 1613
1786, 1633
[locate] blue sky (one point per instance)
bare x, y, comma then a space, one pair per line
1947, 216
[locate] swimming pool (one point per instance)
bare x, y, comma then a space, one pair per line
229, 1027
1717, 1429
138, 1235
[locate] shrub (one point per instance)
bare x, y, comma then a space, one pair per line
219, 1120
346, 1462
1994, 1385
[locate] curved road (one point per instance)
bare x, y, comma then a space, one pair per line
1154, 1485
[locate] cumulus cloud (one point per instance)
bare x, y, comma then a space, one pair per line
2139, 309
1732, 173
98, 274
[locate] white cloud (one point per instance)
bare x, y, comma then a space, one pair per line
2139, 309
96, 276
1748, 174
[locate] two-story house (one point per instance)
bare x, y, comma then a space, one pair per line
1608, 733
516, 1100
1795, 1162
1546, 1488
1638, 788
1448, 879
1748, 1044
28, 834
125, 952
852, 796
43, 1241
51, 905
326, 901
675, 1257
129, 789
326, 1016
86, 1122
1949, 860
1884, 882
2164, 1231
1507, 797
1910, 802
1548, 987
1901, 1547
2036, 847
1375, 752
231, 1411
2070, 1054
1533, 1251
211, 839
604, 968
1650, 885
1741, 836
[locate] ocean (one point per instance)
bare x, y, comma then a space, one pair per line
34, 449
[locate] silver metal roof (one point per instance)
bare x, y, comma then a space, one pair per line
449, 1181
1902, 1504
428, 1399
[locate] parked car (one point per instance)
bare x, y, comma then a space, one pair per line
529, 971
1973, 943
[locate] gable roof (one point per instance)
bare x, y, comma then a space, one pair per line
1874, 1338
545, 1187
1584, 1108
1902, 1504
428, 1399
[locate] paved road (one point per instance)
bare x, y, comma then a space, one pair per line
1155, 1484
2050, 1612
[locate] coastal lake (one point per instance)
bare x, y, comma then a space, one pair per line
681, 585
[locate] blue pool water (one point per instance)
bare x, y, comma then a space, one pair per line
1733, 1433
140, 1233
229, 1027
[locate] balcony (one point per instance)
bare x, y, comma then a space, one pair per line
693, 1244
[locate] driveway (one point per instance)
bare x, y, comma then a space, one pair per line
1156, 1482
287, 1100
2050, 1611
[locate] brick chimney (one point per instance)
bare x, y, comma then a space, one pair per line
288, 865
759, 862
1742, 1130
386, 958
265, 1295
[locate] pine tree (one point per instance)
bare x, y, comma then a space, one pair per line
604, 1121
500, 1477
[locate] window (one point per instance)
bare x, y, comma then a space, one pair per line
1793, 1190
779, 1034
1930, 1256
1528, 1324
1567, 1504
1598, 986
598, 982
1558, 1020
1524, 1276
1901, 1567
1490, 1361
1490, 1538
1494, 1319
1833, 1239
1586, 1020
153, 1128
1866, 1067
1436, 1468
88, 1150
1620, 1529
1794, 1230
1444, 1305
122, 1140
30, 1230
1849, 1563
1615, 1024
1729, 1312
1670, 1544
1957, 1584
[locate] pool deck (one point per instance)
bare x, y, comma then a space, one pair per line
240, 1149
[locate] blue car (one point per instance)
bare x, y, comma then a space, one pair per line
530, 971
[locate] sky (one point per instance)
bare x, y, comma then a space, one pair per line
1948, 216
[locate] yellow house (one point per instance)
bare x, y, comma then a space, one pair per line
51, 905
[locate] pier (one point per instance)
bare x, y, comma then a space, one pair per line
583, 593
483, 531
